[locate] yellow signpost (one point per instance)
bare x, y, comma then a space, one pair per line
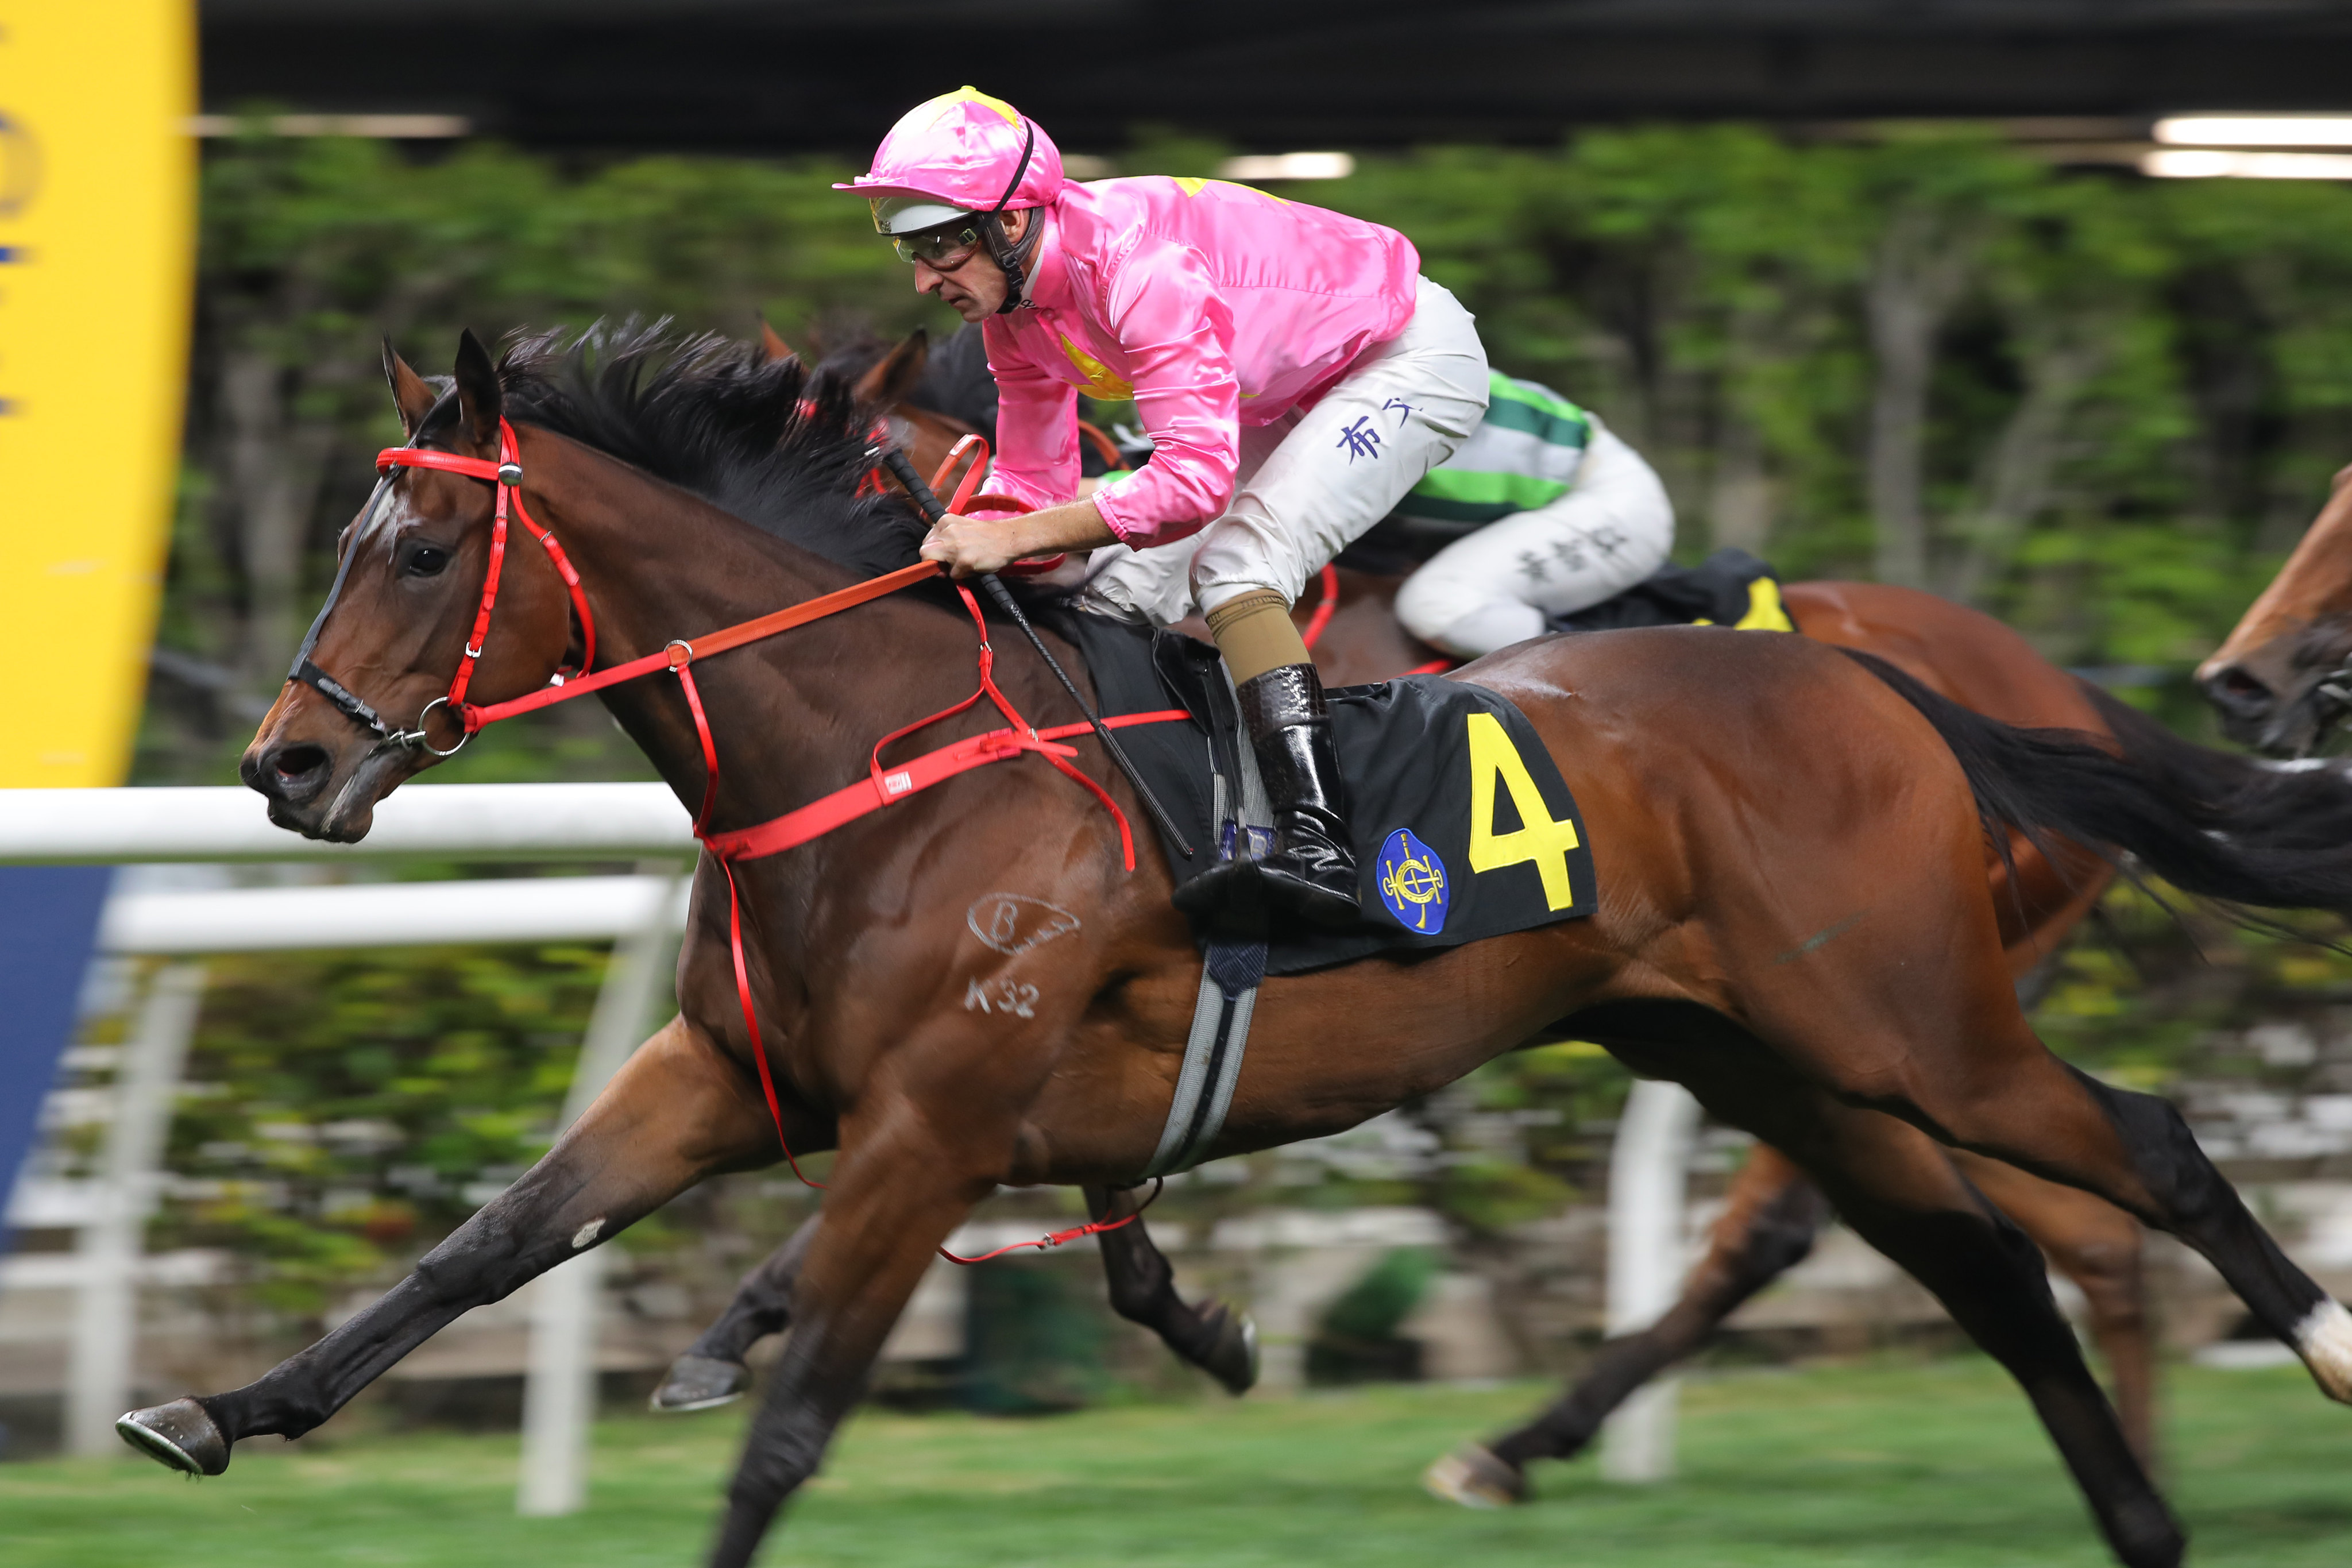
96, 229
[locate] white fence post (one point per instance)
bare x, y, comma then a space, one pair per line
99, 1370
1646, 1183
559, 1398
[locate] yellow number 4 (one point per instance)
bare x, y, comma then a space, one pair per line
1538, 839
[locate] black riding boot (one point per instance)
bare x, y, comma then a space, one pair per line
1310, 873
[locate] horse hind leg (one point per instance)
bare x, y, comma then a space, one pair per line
1904, 1196
2099, 1247
1997, 1091
1220, 1340
1915, 1015
716, 1368
1767, 1229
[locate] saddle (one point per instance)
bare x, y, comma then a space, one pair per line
1730, 588
1463, 827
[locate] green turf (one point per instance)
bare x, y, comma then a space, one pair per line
1917, 1465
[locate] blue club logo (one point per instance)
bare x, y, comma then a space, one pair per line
1413, 883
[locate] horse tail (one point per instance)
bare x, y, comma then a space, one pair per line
2212, 823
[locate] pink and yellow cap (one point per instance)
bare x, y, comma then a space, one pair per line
958, 151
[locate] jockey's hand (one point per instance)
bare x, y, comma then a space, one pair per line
966, 545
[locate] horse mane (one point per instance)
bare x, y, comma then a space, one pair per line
766, 440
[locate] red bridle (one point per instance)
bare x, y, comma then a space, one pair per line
506, 476
885, 785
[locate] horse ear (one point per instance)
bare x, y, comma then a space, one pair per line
773, 341
894, 376
479, 401
409, 393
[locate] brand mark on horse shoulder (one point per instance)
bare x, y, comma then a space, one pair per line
1013, 923
1001, 995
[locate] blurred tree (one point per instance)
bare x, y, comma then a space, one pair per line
343, 1111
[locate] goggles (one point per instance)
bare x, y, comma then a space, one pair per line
944, 248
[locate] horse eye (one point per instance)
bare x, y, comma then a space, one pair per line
425, 560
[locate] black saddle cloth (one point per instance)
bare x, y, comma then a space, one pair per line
1719, 589
1424, 758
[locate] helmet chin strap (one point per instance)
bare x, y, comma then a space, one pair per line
1011, 260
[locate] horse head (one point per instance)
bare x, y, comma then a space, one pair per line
373, 699
2279, 679
891, 381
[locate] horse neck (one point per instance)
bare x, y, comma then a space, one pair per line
793, 716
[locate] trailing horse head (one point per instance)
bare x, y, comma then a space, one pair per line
927, 409
2284, 675
371, 698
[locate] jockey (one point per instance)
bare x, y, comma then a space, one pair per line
1297, 377
1566, 515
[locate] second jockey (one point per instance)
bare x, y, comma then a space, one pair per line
1565, 515
1296, 374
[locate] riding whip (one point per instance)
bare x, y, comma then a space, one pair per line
912, 482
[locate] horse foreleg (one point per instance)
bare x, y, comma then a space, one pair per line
891, 1202
1215, 1337
1220, 1340
716, 1369
1766, 1228
676, 1112
2098, 1246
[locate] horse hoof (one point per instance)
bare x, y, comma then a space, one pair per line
1473, 1477
1232, 1352
178, 1435
2324, 1339
701, 1383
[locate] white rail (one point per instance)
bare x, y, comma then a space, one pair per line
391, 914
505, 822
1647, 1169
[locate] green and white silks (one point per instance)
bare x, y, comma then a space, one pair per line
1525, 455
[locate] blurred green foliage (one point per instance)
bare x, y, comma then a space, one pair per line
344, 1109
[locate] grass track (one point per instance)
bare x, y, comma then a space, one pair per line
1920, 1466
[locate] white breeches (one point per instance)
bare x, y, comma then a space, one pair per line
1495, 587
1311, 483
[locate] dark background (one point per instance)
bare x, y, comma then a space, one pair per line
830, 75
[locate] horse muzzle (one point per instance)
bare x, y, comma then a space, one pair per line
317, 793
2255, 712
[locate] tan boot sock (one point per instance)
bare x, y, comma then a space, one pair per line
1254, 633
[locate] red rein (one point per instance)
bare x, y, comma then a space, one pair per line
883, 785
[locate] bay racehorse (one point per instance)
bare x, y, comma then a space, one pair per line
1792, 918
1771, 1212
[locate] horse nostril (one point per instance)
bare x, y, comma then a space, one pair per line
294, 771
299, 762
2240, 693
